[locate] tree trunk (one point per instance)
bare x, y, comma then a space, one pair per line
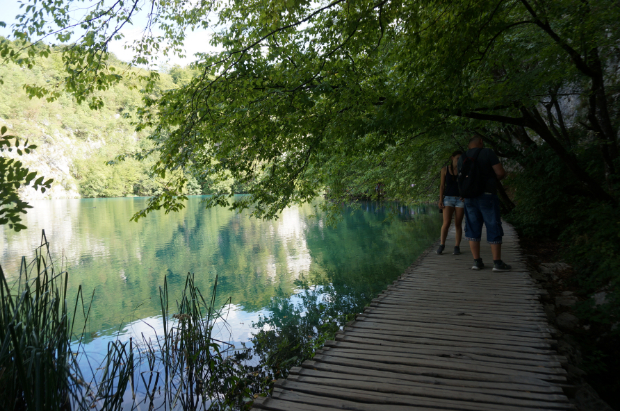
571, 162
529, 120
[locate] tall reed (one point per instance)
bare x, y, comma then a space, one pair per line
38, 369
41, 357
195, 369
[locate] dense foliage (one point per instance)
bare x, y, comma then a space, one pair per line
344, 94
76, 144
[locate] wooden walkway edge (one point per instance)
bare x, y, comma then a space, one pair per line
442, 337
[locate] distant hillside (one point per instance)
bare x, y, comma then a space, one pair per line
75, 142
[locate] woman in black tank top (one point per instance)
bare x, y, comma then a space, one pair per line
450, 202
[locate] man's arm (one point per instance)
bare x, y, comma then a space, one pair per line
499, 171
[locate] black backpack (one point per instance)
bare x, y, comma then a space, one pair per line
471, 178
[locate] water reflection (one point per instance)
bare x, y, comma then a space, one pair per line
125, 262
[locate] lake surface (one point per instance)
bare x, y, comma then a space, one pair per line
256, 261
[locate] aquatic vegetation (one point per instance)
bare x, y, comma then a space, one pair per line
38, 366
43, 364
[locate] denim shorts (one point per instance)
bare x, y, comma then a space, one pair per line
479, 210
452, 201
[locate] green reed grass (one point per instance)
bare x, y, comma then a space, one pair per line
184, 368
38, 370
195, 367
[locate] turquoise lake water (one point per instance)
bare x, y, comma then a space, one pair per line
125, 262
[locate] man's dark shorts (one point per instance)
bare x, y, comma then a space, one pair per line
479, 210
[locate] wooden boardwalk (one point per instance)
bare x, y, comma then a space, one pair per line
443, 337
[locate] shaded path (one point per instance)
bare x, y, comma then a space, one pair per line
442, 337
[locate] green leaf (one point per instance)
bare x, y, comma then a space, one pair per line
30, 177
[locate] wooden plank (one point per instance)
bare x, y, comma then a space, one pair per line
362, 326
430, 278
460, 302
422, 341
276, 404
452, 358
450, 292
452, 328
432, 371
445, 342
465, 260
442, 284
500, 353
453, 288
420, 303
424, 391
439, 363
426, 311
341, 404
490, 298
489, 293
464, 323
440, 272
388, 400
466, 256
517, 277
520, 272
462, 305
449, 334
423, 285
427, 304
525, 328
448, 353
501, 390
432, 379
458, 313
462, 272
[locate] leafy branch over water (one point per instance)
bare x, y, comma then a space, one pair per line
294, 332
13, 175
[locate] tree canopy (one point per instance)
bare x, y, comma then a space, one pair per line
344, 95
